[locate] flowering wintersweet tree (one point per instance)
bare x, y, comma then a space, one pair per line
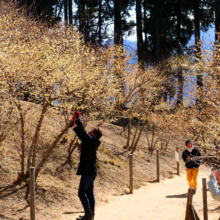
51, 69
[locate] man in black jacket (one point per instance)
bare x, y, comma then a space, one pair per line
87, 166
191, 164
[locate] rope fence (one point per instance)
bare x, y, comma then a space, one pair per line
20, 171
33, 197
5, 173
131, 166
17, 172
190, 210
25, 200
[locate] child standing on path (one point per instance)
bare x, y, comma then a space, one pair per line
192, 166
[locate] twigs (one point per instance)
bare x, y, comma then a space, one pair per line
28, 199
14, 172
20, 171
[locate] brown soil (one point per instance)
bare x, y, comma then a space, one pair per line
165, 200
57, 185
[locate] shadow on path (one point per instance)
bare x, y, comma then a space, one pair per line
180, 196
153, 181
4, 217
216, 209
122, 194
121, 153
10, 190
22, 209
70, 213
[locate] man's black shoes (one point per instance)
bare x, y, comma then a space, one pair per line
87, 216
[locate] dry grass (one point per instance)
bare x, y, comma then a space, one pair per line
57, 185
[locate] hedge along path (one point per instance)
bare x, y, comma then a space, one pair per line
156, 201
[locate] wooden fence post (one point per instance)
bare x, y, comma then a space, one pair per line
158, 166
131, 172
178, 165
194, 214
192, 211
32, 193
188, 204
205, 205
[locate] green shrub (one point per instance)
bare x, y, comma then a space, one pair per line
109, 154
98, 164
73, 161
112, 162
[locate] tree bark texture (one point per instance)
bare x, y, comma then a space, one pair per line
179, 52
70, 12
65, 12
139, 32
118, 33
198, 51
50, 149
100, 23
217, 21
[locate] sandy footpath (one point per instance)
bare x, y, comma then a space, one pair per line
163, 201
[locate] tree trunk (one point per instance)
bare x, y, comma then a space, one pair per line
139, 32
136, 131
22, 138
198, 50
70, 12
145, 33
157, 44
22, 144
135, 142
179, 53
65, 13
197, 29
81, 11
50, 149
32, 151
87, 27
217, 21
139, 135
118, 37
129, 133
157, 35
100, 22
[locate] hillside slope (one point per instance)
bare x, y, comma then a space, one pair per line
57, 185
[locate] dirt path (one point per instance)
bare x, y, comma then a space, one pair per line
162, 201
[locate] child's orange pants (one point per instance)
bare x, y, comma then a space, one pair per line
192, 177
